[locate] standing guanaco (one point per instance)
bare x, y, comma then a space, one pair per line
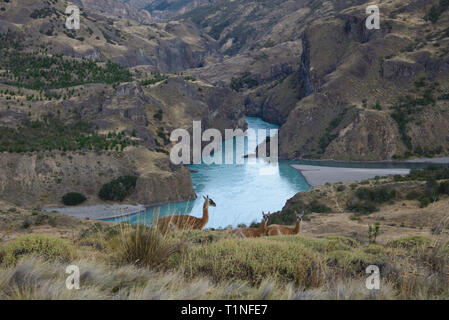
186, 222
277, 229
252, 232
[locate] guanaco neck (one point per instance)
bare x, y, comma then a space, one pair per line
297, 226
262, 226
205, 217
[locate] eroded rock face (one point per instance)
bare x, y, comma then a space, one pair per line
42, 179
369, 136
396, 69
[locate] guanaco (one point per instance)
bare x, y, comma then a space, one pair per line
277, 229
252, 232
186, 222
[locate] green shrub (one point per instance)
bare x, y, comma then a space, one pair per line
26, 223
424, 201
363, 206
73, 198
409, 242
118, 188
45, 246
444, 187
317, 207
378, 195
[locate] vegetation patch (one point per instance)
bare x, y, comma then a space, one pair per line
410, 242
45, 246
73, 198
39, 70
437, 10
405, 112
355, 261
118, 188
252, 261
366, 200
327, 138
157, 77
51, 134
144, 246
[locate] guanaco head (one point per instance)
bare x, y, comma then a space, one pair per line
299, 216
265, 216
209, 201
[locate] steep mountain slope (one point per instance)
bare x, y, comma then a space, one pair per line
339, 90
71, 121
168, 46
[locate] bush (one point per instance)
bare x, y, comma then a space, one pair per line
378, 195
118, 188
363, 206
45, 246
253, 261
317, 207
424, 201
144, 246
444, 187
26, 223
409, 242
354, 262
73, 198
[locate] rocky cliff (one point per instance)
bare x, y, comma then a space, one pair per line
41, 179
337, 89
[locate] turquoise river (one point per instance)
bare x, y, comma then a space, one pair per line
241, 191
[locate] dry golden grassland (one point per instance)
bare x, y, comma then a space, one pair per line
137, 262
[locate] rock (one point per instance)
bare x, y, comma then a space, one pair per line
44, 179
396, 69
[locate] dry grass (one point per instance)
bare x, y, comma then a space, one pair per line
137, 262
143, 246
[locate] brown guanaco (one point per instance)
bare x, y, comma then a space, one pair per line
252, 232
186, 222
277, 229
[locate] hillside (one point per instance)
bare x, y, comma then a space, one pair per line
327, 260
72, 108
339, 91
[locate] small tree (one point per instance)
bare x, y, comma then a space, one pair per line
73, 198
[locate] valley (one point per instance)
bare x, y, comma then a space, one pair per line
86, 117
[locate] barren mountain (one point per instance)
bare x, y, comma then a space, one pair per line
339, 90
74, 116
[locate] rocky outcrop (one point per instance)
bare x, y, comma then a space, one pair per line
369, 135
396, 69
42, 179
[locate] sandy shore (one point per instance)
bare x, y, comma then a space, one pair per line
317, 175
442, 160
99, 211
